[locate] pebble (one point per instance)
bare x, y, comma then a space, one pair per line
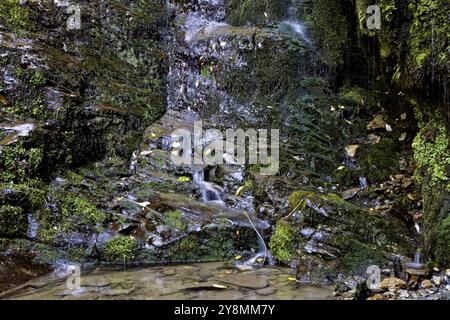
426, 284
266, 291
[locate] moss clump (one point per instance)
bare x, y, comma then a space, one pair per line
432, 150
282, 242
16, 17
13, 222
359, 256
442, 252
120, 249
173, 219
76, 214
184, 250
37, 79
241, 12
18, 163
378, 161
73, 207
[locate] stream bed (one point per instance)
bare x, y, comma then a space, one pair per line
212, 281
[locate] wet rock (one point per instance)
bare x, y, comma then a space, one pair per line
265, 291
392, 284
426, 284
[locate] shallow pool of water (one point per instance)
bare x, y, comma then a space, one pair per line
187, 282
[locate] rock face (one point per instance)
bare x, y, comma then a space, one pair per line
87, 117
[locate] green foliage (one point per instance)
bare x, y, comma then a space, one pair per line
378, 161
120, 249
13, 222
281, 243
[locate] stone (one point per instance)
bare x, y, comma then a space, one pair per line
266, 291
377, 297
403, 294
392, 284
437, 280
426, 284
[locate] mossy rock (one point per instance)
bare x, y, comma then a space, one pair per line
13, 222
282, 245
120, 249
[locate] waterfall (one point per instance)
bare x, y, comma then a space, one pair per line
210, 192
295, 26
418, 257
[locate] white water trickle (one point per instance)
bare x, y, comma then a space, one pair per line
417, 226
296, 26
418, 257
363, 182
210, 192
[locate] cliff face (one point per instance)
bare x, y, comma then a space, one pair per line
71, 92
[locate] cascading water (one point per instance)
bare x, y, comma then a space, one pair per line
417, 264
296, 26
210, 192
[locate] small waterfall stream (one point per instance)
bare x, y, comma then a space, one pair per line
212, 193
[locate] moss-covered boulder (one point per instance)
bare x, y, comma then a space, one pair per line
335, 235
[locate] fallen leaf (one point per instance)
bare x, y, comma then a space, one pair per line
402, 136
239, 190
143, 204
238, 257
292, 279
351, 150
377, 123
219, 286
374, 139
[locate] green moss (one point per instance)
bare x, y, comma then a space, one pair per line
16, 16
378, 161
184, 250
77, 207
13, 222
242, 12
359, 256
37, 79
442, 251
174, 220
432, 150
281, 243
120, 249
18, 163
